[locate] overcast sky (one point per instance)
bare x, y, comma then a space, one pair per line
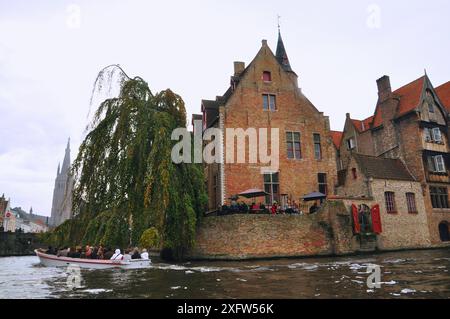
51, 52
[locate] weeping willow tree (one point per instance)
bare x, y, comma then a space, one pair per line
125, 179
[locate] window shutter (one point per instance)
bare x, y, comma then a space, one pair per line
427, 134
431, 166
356, 225
440, 166
376, 219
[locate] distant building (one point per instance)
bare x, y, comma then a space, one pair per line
2, 211
62, 193
8, 218
30, 223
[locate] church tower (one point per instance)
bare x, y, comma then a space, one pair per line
62, 193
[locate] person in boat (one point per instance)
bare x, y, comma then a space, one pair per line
88, 252
136, 254
50, 251
117, 255
100, 252
144, 254
63, 252
76, 253
108, 253
94, 253
127, 255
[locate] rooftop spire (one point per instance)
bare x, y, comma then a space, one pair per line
66, 162
281, 54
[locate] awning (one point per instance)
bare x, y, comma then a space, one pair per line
314, 196
253, 192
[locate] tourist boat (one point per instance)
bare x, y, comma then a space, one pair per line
54, 261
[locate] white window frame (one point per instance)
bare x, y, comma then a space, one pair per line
436, 134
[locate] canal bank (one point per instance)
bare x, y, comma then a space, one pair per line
329, 232
18, 244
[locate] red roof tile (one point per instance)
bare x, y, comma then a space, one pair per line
443, 92
363, 125
336, 136
409, 96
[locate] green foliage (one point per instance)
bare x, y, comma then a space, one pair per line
126, 181
150, 238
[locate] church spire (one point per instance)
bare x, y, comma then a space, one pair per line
66, 162
281, 54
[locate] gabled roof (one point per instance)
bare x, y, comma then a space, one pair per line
209, 104
363, 125
409, 95
382, 168
336, 137
409, 98
443, 93
280, 56
212, 111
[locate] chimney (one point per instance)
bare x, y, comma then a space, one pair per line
384, 88
239, 67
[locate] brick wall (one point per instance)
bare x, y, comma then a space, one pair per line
402, 229
265, 236
294, 113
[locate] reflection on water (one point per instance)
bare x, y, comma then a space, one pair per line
411, 274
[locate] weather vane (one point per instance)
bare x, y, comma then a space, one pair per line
278, 22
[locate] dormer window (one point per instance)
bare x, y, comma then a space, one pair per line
267, 76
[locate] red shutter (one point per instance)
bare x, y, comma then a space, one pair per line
356, 225
376, 219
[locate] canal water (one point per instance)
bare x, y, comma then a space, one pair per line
408, 274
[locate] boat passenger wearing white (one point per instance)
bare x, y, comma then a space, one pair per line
127, 255
63, 253
144, 254
117, 255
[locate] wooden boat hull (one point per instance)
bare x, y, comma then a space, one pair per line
54, 261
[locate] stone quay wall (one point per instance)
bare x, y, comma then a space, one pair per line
18, 244
248, 236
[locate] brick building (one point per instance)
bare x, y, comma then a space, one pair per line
265, 94
410, 124
386, 183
